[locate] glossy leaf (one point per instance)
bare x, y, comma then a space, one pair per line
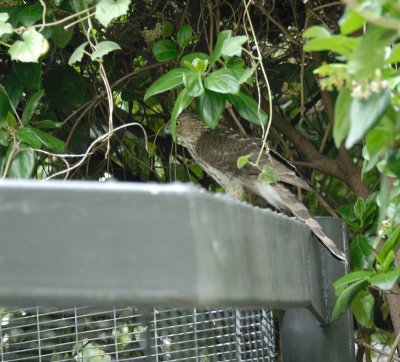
182, 101
31, 48
210, 106
170, 80
164, 49
341, 125
362, 254
364, 114
392, 243
37, 138
22, 164
341, 284
350, 21
316, 32
222, 81
222, 36
193, 83
184, 35
25, 134
336, 43
107, 10
78, 53
103, 48
31, 106
369, 55
346, 296
192, 56
48, 124
363, 308
248, 108
385, 281
233, 46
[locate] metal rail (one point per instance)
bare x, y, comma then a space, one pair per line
117, 244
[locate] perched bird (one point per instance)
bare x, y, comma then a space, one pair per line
217, 151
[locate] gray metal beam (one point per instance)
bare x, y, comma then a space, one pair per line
80, 243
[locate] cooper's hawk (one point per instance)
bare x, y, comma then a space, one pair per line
217, 151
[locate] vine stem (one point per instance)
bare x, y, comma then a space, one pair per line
264, 73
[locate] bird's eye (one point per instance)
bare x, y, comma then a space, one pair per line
178, 123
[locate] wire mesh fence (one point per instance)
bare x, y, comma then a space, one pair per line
128, 334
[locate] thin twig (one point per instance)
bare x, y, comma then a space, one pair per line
393, 349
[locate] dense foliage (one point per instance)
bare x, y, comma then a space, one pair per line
86, 89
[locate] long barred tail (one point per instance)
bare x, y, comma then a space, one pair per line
299, 210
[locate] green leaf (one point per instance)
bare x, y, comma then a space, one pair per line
65, 88
222, 36
350, 22
385, 281
164, 49
394, 55
246, 75
197, 65
184, 35
48, 124
346, 296
372, 47
37, 138
341, 126
210, 106
31, 106
363, 308
4, 105
192, 56
242, 161
193, 83
182, 101
31, 48
341, 284
168, 28
23, 163
62, 37
29, 15
77, 55
362, 253
336, 43
104, 48
233, 46
248, 108
268, 175
360, 208
26, 135
5, 28
392, 243
4, 138
29, 74
14, 88
364, 113
107, 10
316, 32
222, 81
393, 162
170, 80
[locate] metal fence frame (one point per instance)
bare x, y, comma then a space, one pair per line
118, 244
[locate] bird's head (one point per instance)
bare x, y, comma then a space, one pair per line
189, 127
